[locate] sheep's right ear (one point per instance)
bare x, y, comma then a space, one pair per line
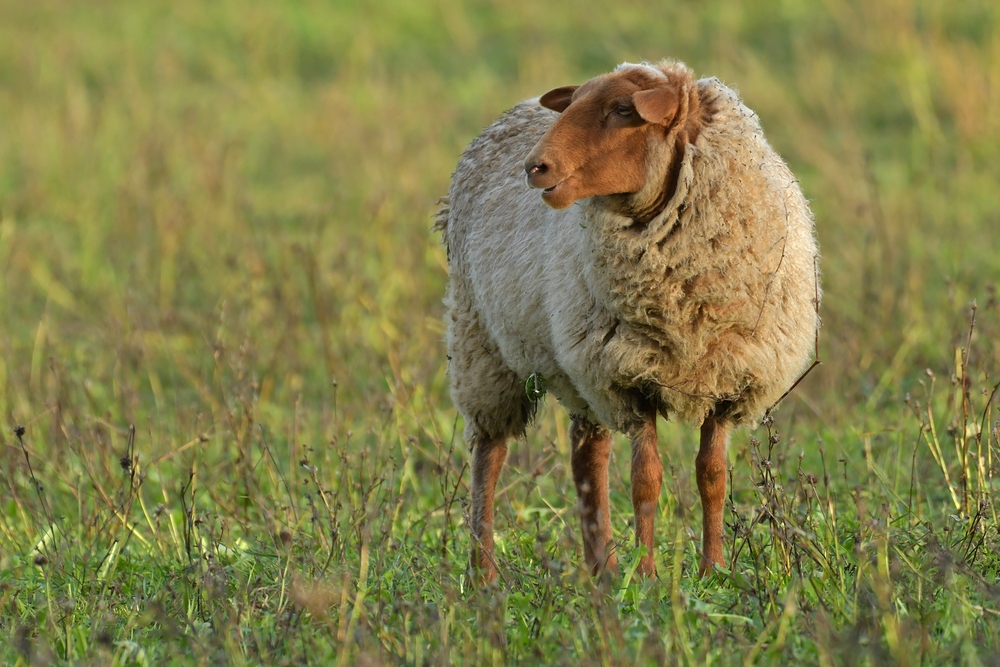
558, 99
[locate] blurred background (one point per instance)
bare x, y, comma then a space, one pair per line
215, 224
184, 181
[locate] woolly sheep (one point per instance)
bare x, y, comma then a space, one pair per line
684, 281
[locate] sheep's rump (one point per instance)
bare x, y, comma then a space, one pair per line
710, 308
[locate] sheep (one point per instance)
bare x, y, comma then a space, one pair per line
683, 282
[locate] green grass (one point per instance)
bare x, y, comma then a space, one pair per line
220, 305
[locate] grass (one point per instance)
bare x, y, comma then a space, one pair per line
220, 333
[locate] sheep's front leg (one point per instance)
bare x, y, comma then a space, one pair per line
711, 471
487, 460
647, 476
591, 449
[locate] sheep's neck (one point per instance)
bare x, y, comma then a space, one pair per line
641, 219
686, 131
624, 271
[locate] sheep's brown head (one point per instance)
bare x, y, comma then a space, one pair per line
616, 134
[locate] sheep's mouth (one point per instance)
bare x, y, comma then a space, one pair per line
533, 182
550, 192
559, 195
552, 188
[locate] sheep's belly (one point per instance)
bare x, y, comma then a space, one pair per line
522, 330
544, 319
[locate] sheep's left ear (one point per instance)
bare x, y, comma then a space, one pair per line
658, 105
558, 99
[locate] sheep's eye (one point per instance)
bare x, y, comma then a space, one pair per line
624, 110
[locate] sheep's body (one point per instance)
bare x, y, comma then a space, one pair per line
683, 282
710, 305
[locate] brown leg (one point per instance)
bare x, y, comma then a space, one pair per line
711, 466
591, 448
487, 460
647, 476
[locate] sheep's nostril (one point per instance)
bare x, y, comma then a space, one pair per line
533, 169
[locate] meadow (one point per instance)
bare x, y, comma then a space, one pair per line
225, 429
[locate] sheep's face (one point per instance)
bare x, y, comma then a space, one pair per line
603, 139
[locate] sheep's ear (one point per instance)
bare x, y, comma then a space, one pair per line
658, 105
558, 99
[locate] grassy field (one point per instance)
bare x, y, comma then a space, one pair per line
225, 430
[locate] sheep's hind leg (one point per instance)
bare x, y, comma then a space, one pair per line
711, 471
496, 408
591, 449
488, 455
647, 476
